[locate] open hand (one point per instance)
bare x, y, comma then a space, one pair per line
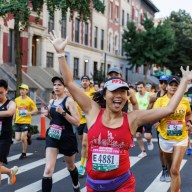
186, 73
58, 43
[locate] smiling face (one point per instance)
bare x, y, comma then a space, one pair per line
115, 100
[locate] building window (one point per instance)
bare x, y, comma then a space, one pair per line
77, 29
111, 10
116, 44
64, 26
95, 37
102, 39
76, 68
51, 24
102, 68
122, 49
108, 67
127, 18
11, 56
95, 71
86, 34
123, 17
137, 16
49, 59
117, 13
110, 42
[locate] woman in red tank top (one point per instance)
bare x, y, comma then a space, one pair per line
110, 131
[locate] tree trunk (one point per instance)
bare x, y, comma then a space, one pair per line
18, 56
146, 71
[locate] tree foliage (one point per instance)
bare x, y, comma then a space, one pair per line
181, 23
21, 12
148, 44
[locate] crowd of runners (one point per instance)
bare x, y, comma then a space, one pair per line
106, 118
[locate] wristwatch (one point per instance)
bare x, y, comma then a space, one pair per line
64, 113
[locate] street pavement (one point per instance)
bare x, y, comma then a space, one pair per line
147, 171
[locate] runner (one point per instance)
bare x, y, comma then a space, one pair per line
92, 86
142, 97
116, 72
82, 129
110, 130
25, 108
173, 136
7, 111
60, 137
163, 90
188, 94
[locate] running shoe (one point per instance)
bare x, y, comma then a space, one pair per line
150, 145
167, 176
142, 154
162, 178
12, 176
188, 151
23, 156
76, 188
81, 170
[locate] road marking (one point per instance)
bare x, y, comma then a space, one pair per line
30, 166
158, 185
15, 157
36, 186
133, 161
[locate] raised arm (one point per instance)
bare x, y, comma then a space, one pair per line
84, 101
138, 118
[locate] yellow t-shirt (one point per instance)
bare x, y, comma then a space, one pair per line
23, 105
92, 89
173, 127
81, 113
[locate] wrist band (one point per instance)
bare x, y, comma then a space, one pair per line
60, 55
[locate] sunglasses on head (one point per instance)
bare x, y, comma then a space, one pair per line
161, 82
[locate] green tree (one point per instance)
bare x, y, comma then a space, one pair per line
21, 12
181, 23
148, 44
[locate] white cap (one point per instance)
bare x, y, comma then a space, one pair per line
116, 83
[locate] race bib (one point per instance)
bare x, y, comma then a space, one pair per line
105, 158
22, 112
55, 131
174, 128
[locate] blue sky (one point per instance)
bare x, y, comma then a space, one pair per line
166, 6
